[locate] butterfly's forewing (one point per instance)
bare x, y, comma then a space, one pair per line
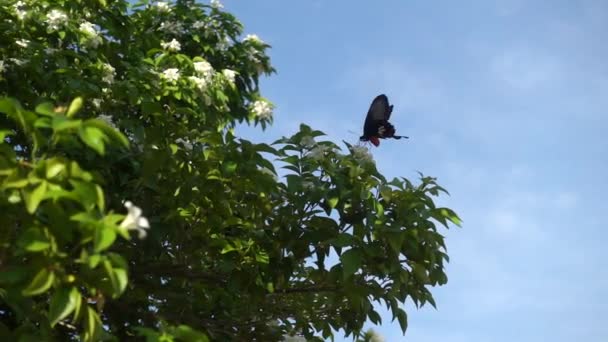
379, 110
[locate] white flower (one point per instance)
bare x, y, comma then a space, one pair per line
308, 141
262, 109
375, 337
171, 27
96, 103
318, 152
203, 68
55, 19
216, 4
223, 44
362, 153
18, 62
22, 42
306, 185
229, 74
171, 74
93, 37
162, 6
108, 73
19, 11
2, 68
173, 45
88, 28
187, 144
200, 82
50, 50
134, 220
198, 24
253, 38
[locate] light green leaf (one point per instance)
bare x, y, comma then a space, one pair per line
34, 240
104, 237
94, 138
42, 281
74, 107
61, 123
63, 302
54, 167
92, 326
33, 198
46, 108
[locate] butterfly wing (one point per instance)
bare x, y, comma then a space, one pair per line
379, 112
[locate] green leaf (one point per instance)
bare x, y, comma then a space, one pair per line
386, 192
229, 167
342, 240
402, 318
451, 216
33, 198
34, 240
74, 107
104, 237
110, 132
4, 133
185, 333
63, 302
61, 123
351, 261
46, 108
54, 167
333, 202
395, 240
42, 281
9, 106
94, 138
92, 326
122, 280
374, 317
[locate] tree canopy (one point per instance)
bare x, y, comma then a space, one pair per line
132, 209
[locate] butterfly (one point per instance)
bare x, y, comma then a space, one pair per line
376, 125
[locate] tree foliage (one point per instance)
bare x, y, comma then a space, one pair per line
132, 209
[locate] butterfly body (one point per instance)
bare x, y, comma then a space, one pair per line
376, 124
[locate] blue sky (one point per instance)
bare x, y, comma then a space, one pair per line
506, 102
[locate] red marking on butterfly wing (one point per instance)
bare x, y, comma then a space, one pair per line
375, 141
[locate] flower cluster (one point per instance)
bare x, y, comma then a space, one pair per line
20, 12
308, 141
108, 73
134, 220
162, 6
362, 154
172, 46
229, 74
171, 74
262, 109
216, 4
319, 152
55, 19
92, 37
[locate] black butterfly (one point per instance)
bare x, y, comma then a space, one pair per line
376, 125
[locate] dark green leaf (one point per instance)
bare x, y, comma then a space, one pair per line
351, 261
